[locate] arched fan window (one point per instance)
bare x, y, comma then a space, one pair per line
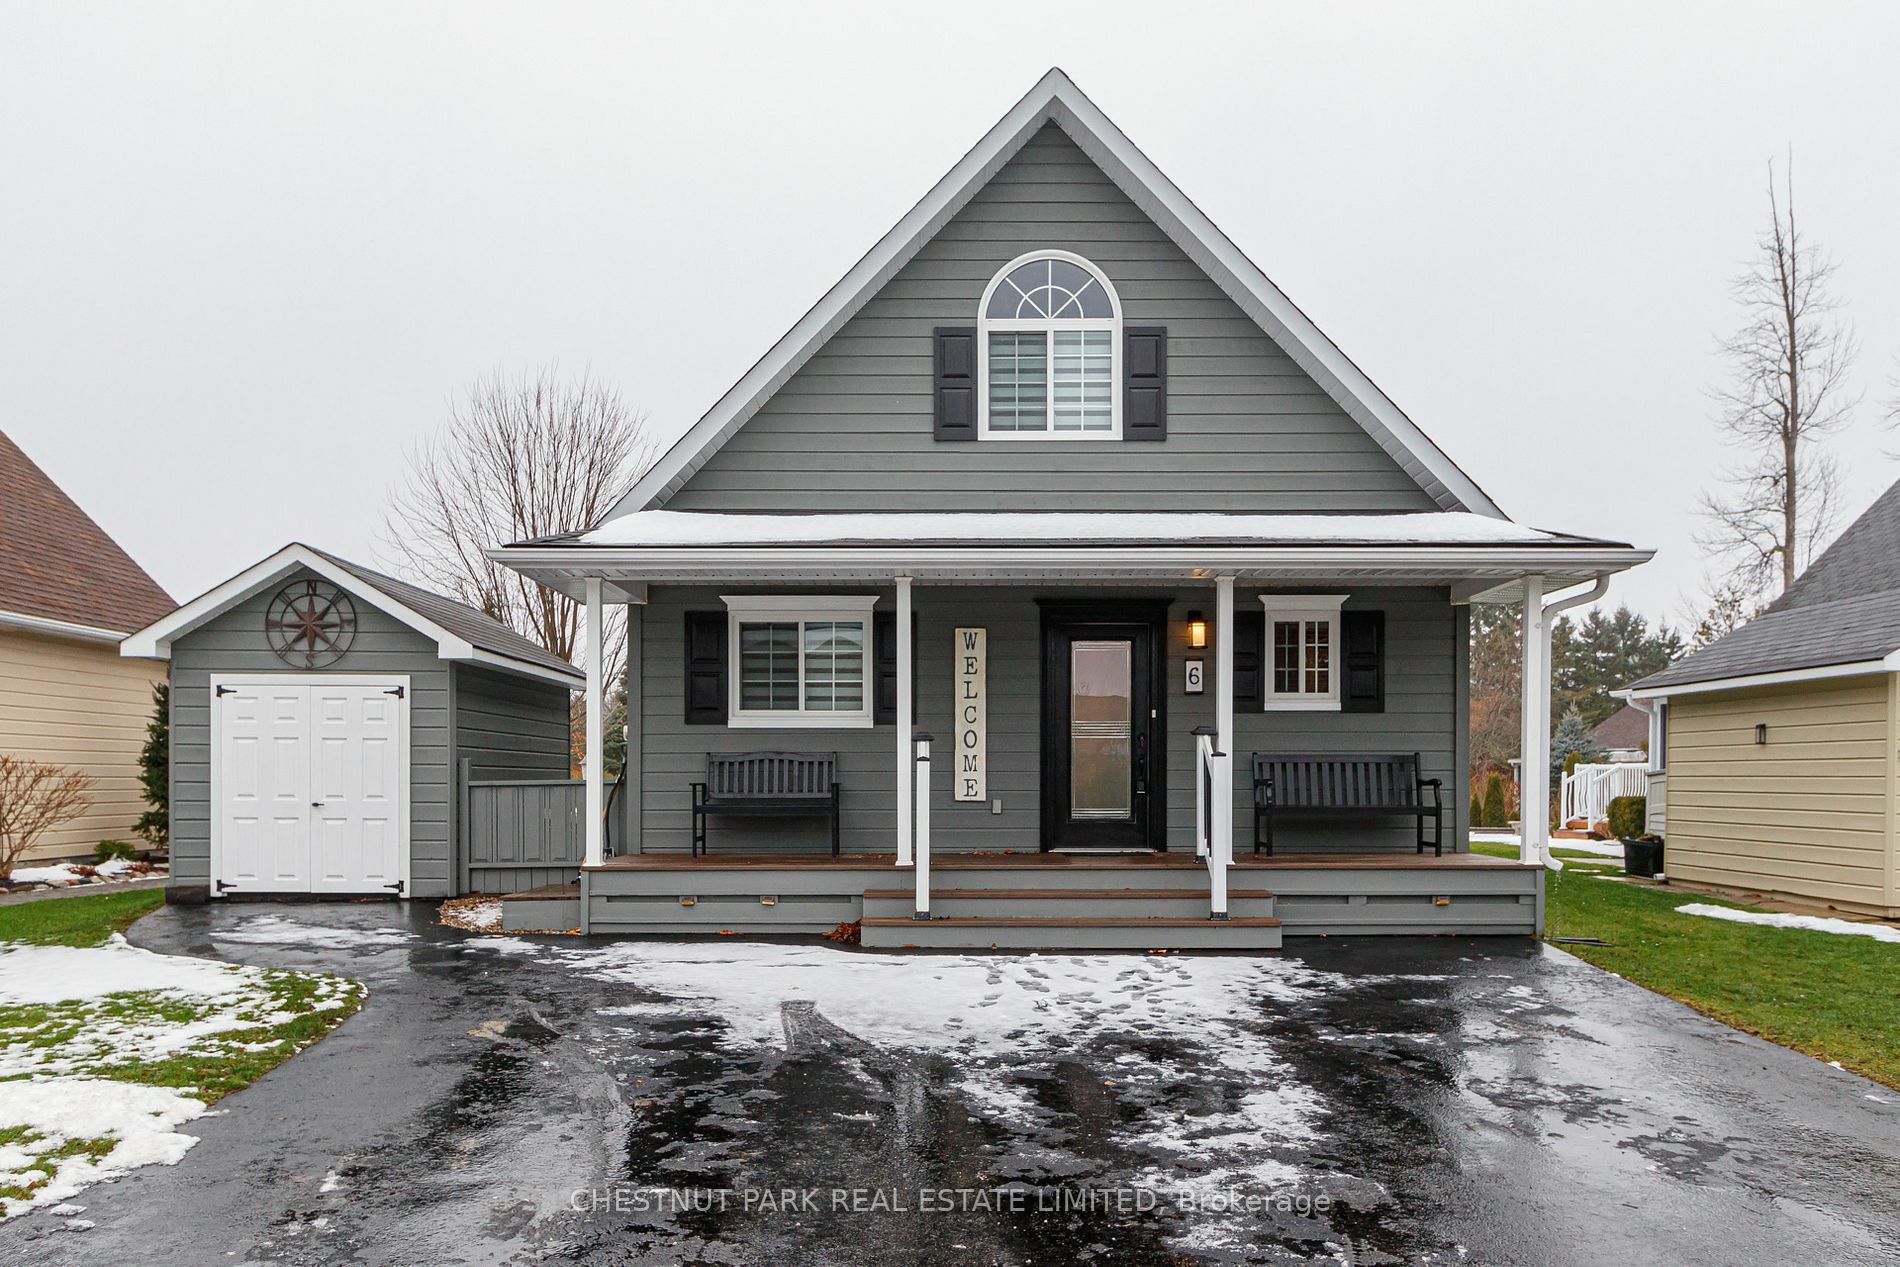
1049, 339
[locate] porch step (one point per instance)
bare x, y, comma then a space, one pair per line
1058, 933
1570, 833
993, 903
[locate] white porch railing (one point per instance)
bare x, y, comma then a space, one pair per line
1213, 817
1589, 789
920, 825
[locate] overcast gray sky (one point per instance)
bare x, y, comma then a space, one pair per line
250, 251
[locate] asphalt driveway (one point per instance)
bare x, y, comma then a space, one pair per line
1415, 1100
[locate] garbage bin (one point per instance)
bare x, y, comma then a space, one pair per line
1642, 857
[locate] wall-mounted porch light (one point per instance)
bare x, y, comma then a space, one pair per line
1197, 631
1761, 732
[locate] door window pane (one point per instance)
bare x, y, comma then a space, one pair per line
1101, 703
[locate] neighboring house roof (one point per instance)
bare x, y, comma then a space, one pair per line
59, 571
1841, 615
461, 632
1624, 730
1056, 99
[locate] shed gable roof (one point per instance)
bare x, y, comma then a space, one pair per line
57, 565
1055, 99
460, 632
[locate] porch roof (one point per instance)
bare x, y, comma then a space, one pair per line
1475, 552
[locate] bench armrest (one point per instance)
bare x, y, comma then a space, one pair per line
1437, 786
699, 794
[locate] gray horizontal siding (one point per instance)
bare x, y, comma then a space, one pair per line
233, 642
508, 727
1247, 429
1422, 715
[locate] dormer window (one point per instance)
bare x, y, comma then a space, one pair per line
1049, 348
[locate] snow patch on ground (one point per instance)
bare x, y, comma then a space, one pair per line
139, 1122
1777, 919
54, 974
276, 930
66, 873
72, 1017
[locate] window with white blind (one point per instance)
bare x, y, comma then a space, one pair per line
1302, 669
799, 661
1049, 352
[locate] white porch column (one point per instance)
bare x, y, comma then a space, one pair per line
905, 774
1224, 708
1534, 745
592, 769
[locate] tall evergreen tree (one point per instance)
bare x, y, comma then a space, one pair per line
155, 824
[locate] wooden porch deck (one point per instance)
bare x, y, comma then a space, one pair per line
941, 862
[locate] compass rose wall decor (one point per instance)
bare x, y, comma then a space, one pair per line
310, 624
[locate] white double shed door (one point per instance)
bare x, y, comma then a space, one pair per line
310, 783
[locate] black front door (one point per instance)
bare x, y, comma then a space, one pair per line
1103, 763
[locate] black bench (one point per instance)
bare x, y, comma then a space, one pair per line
1345, 787
767, 784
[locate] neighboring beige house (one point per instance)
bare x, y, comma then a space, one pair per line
1775, 751
68, 594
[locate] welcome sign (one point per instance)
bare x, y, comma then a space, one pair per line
971, 779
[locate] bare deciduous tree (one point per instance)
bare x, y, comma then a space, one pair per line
518, 459
35, 797
1791, 361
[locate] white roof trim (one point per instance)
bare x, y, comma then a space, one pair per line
154, 642
1786, 677
48, 627
1055, 98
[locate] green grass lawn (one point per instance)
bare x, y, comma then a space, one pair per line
1831, 996
140, 1036
77, 921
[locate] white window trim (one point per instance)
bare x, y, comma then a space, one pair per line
1113, 324
802, 608
1301, 607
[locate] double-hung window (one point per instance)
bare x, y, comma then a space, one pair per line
799, 661
1049, 343
1303, 668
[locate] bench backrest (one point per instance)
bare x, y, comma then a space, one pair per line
774, 775
1339, 782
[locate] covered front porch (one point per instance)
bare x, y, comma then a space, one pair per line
1046, 724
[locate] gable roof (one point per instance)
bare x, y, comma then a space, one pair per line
1865, 559
1626, 728
1842, 614
59, 571
460, 632
1055, 99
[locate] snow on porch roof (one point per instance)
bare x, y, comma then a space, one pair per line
664, 529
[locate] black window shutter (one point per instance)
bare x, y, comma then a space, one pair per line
706, 668
954, 358
1145, 383
884, 668
1250, 649
1362, 690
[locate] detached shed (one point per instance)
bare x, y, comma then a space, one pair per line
323, 718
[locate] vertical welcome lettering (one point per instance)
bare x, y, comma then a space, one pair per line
971, 759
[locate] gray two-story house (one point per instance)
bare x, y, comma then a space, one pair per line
1054, 581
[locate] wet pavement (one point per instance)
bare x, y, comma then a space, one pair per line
1358, 1101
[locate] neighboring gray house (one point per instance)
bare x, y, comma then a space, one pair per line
1056, 476
324, 721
